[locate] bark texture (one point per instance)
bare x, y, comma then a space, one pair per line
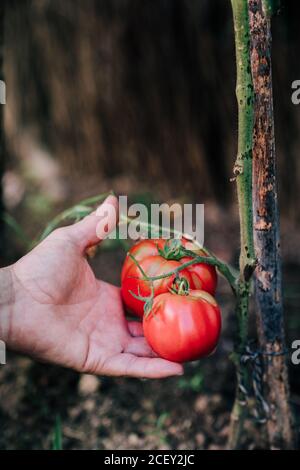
268, 282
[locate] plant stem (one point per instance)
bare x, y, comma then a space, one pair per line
243, 165
243, 176
222, 267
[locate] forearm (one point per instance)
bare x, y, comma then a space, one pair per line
6, 302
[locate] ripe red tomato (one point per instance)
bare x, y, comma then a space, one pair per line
148, 253
183, 328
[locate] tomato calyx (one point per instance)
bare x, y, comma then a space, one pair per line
180, 286
172, 250
175, 250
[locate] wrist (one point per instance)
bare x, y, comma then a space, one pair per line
6, 302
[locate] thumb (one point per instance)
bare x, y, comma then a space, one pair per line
96, 226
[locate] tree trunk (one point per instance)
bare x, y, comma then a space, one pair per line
268, 285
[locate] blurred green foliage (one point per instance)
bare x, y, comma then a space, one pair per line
57, 434
193, 383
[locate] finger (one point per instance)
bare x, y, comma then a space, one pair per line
139, 347
132, 366
96, 226
135, 328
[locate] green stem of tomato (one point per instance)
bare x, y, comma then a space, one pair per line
222, 267
243, 177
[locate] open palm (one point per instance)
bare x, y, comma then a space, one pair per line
63, 314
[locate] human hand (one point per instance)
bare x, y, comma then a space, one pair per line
59, 312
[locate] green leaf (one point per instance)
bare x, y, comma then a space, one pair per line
57, 434
75, 213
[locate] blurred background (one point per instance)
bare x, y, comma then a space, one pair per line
138, 97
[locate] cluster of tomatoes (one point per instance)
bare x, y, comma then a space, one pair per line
181, 319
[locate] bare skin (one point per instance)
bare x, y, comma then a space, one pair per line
54, 309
